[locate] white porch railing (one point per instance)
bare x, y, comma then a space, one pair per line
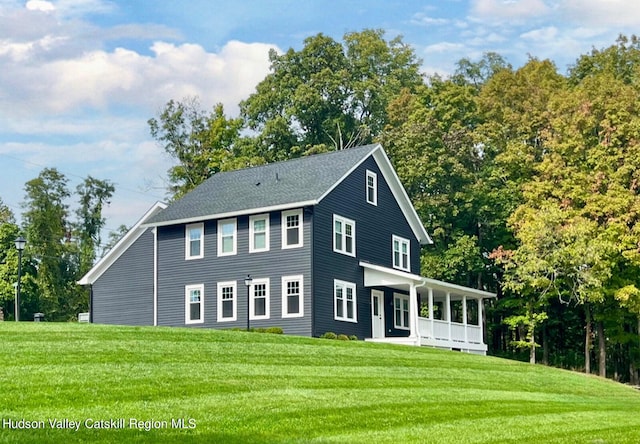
449, 331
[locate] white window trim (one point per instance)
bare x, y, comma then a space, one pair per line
187, 241
252, 297
187, 307
402, 297
235, 237
400, 240
345, 285
283, 224
375, 187
222, 285
285, 302
252, 247
344, 222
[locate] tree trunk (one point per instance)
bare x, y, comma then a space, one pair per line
532, 345
602, 350
587, 340
545, 346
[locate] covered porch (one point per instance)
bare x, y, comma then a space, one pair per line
414, 310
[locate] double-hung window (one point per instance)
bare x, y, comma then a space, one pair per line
194, 241
292, 228
292, 299
194, 304
259, 292
372, 188
344, 235
344, 296
227, 301
401, 311
227, 237
258, 233
401, 253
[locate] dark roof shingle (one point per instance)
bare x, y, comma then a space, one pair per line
304, 179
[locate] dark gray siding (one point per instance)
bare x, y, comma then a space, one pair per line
124, 293
174, 273
375, 226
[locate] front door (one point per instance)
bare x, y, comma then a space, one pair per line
377, 314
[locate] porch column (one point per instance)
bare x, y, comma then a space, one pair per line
413, 313
431, 303
464, 316
480, 319
447, 311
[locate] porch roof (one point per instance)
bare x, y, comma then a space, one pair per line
377, 275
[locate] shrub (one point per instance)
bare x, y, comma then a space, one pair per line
275, 330
329, 335
342, 338
353, 337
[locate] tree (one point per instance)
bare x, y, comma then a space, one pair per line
202, 144
329, 95
49, 234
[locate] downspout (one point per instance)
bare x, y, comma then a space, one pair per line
90, 303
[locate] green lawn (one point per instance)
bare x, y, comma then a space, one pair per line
251, 387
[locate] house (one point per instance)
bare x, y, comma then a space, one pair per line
331, 243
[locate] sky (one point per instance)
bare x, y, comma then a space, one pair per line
79, 79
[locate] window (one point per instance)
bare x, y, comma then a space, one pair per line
194, 241
194, 304
344, 235
401, 253
259, 233
227, 237
259, 292
344, 294
292, 228
372, 188
401, 311
292, 306
227, 302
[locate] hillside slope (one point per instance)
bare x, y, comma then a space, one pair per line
224, 386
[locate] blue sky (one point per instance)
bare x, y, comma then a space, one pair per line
80, 78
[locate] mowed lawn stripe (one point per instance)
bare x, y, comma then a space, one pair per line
250, 387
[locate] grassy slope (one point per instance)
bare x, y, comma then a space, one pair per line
267, 388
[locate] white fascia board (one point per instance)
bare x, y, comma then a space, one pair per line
397, 189
394, 277
119, 248
401, 196
188, 220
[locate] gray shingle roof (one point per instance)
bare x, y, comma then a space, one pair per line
279, 184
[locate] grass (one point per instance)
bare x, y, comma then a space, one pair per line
242, 387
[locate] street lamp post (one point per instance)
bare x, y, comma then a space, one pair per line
248, 282
20, 243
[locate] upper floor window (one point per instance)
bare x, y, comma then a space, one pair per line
194, 304
227, 237
344, 235
194, 241
259, 296
372, 188
259, 233
292, 228
344, 296
401, 253
227, 302
292, 299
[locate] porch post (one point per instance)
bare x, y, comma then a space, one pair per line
431, 303
480, 319
413, 313
464, 316
447, 311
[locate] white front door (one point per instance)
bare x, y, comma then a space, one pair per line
377, 314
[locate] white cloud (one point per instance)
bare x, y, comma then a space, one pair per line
542, 35
444, 47
40, 5
500, 10
422, 19
601, 13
